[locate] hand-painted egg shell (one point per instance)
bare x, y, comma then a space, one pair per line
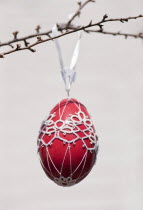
67, 143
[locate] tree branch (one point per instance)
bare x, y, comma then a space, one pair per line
65, 29
77, 13
126, 35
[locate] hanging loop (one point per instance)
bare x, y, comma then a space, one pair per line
68, 73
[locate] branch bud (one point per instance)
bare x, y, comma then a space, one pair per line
15, 34
18, 46
105, 17
39, 38
1, 56
79, 3
26, 43
38, 28
90, 23
32, 50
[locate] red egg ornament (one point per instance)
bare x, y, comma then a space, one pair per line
67, 143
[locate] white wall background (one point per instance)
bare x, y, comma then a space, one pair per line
109, 82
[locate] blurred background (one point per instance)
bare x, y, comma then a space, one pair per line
109, 82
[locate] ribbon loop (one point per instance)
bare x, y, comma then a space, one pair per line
68, 73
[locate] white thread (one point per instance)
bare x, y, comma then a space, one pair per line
65, 181
69, 127
63, 160
83, 166
80, 163
52, 161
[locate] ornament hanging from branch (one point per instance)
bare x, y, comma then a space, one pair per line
67, 141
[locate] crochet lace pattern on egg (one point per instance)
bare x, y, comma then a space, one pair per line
66, 127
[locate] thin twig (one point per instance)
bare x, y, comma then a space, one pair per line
65, 29
24, 38
126, 35
77, 13
61, 27
78, 29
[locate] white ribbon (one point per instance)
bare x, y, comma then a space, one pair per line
68, 73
